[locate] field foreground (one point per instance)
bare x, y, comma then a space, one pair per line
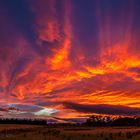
30, 132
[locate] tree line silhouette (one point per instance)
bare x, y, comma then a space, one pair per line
109, 121
94, 120
22, 121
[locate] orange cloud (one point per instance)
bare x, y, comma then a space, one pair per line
58, 67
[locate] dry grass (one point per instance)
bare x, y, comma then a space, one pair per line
29, 132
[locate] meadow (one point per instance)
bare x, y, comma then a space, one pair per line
32, 132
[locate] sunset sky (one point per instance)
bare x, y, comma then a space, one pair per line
69, 58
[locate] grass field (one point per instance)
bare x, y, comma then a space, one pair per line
29, 132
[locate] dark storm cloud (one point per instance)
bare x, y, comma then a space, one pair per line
103, 109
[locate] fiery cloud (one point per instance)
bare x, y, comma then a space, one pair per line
81, 52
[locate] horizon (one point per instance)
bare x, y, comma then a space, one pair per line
69, 59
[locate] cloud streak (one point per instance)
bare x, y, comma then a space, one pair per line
103, 109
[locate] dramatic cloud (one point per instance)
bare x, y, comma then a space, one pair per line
25, 110
80, 52
104, 109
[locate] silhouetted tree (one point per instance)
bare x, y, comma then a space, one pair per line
22, 121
